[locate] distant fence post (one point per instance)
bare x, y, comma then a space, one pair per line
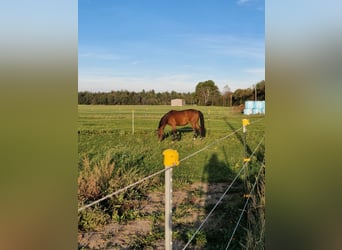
133, 122
170, 160
245, 122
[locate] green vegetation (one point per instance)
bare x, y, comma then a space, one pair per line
206, 93
118, 145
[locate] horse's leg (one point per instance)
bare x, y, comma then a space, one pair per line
178, 135
196, 130
174, 133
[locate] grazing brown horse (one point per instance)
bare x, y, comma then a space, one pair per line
181, 118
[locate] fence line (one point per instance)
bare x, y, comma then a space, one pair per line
214, 142
244, 207
217, 203
159, 172
209, 145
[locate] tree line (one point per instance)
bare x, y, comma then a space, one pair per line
206, 93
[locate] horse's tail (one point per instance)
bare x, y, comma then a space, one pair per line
202, 124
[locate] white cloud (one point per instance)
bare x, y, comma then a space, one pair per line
235, 83
258, 5
255, 71
100, 56
241, 47
161, 83
240, 2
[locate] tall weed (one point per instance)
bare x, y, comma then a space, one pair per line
94, 181
98, 179
255, 230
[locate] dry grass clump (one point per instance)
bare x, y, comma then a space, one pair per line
100, 179
94, 181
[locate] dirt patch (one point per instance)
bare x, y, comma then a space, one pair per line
114, 236
190, 206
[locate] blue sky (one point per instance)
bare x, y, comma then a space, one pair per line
169, 45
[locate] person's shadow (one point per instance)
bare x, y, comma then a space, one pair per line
218, 176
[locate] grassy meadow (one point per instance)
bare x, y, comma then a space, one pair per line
125, 138
110, 130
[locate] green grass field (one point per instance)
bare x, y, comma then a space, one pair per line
111, 130
126, 136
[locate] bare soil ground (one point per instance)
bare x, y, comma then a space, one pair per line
190, 207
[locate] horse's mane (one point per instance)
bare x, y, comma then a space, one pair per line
163, 119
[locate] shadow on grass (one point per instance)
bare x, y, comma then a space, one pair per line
219, 226
216, 178
179, 133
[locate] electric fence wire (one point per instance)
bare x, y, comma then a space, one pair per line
216, 141
122, 190
222, 196
159, 172
244, 208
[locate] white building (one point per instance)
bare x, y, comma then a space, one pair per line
177, 102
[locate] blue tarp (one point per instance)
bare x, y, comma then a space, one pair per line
254, 107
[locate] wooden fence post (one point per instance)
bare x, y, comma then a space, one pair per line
170, 160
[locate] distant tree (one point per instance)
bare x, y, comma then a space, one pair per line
102, 99
227, 95
151, 97
260, 87
206, 92
85, 97
122, 97
241, 95
111, 98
